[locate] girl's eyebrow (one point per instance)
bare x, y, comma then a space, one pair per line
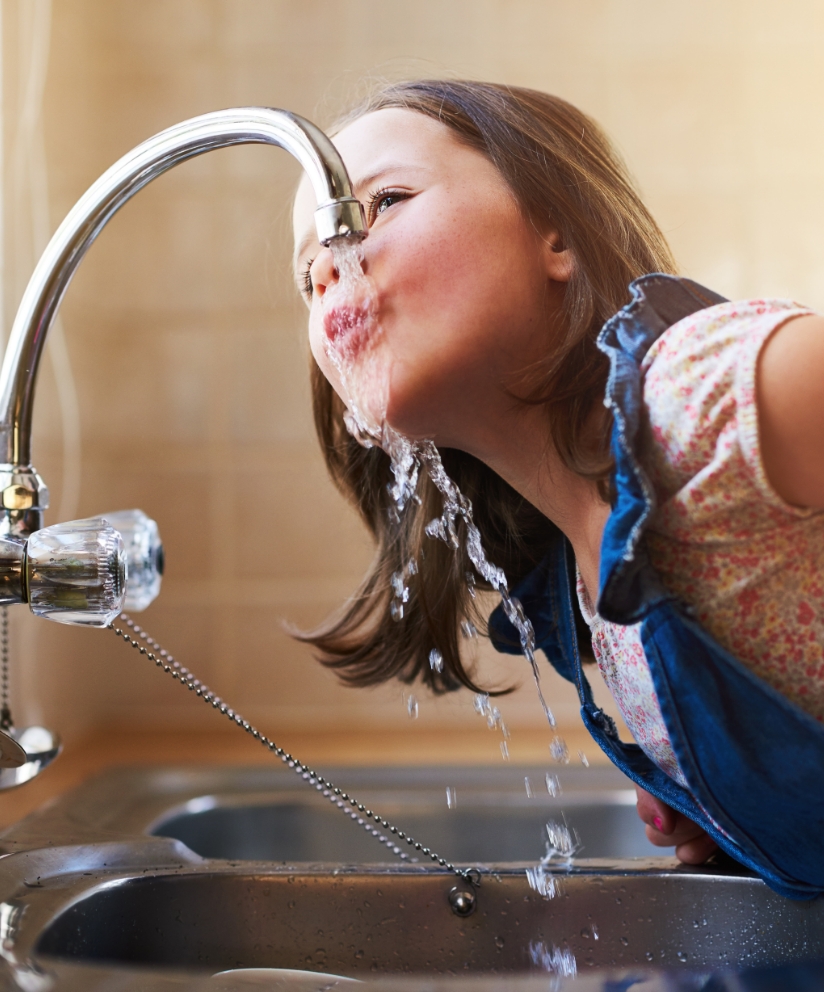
364, 182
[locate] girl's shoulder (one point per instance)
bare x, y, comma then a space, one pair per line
700, 397
724, 332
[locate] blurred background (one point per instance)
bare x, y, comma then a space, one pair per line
178, 380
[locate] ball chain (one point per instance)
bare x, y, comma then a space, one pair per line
356, 810
6, 722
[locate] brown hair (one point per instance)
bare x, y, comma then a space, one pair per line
563, 171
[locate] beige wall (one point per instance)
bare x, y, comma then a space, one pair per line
186, 337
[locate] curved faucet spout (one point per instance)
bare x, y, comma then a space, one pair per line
22, 495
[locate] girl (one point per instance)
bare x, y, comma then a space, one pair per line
642, 457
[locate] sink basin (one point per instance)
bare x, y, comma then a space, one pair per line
359, 923
158, 879
492, 820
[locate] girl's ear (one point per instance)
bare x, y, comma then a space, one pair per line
558, 259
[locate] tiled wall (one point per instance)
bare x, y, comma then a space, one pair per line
186, 337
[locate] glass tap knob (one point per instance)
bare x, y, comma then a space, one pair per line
144, 556
75, 572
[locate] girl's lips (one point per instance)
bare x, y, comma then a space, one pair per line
347, 327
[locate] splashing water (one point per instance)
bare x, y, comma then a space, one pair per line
561, 845
436, 660
558, 961
451, 797
400, 589
353, 334
494, 720
469, 630
553, 784
559, 750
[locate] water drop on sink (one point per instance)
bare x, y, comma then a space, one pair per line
625, 941
681, 956
499, 942
649, 956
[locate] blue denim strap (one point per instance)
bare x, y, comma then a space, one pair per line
629, 586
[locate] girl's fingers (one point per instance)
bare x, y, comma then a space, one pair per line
684, 832
696, 852
656, 814
666, 828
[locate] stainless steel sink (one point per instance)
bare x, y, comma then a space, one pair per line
261, 817
100, 892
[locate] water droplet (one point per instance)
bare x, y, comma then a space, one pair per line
481, 703
553, 785
584, 759
504, 751
559, 750
451, 797
625, 941
649, 956
528, 787
396, 610
499, 942
434, 529
681, 956
555, 960
412, 707
436, 660
595, 934
468, 629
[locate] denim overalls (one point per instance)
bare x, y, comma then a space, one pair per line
752, 759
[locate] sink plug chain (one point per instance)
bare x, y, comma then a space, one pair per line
346, 803
6, 722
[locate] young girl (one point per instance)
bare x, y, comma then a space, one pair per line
642, 457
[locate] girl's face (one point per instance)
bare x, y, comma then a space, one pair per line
465, 287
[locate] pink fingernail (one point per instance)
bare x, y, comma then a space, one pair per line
657, 822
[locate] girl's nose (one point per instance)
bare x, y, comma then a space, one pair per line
323, 272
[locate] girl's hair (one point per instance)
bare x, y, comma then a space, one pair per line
564, 174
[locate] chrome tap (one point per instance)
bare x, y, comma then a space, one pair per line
86, 571
23, 495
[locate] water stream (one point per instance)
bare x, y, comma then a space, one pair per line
353, 333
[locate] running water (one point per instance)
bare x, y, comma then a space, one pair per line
353, 334
558, 961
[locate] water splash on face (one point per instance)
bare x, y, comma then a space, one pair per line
352, 332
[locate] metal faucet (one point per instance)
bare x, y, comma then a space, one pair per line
23, 495
86, 571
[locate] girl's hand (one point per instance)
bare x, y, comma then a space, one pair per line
666, 828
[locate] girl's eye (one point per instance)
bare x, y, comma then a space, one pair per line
382, 199
307, 288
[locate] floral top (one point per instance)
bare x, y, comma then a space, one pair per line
749, 564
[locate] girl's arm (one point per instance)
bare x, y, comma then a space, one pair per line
790, 399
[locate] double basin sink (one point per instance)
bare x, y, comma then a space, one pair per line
160, 879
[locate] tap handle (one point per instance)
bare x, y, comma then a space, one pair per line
75, 572
144, 557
